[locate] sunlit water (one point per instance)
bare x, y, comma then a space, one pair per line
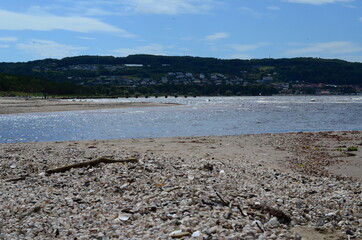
196, 117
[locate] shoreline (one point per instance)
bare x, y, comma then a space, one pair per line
328, 149
180, 185
33, 105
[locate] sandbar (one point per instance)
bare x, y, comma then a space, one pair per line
37, 105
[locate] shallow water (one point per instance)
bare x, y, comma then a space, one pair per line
196, 117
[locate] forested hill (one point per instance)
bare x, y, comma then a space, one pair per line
85, 68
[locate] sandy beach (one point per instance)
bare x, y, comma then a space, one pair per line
35, 105
264, 186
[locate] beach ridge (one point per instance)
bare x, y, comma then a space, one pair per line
280, 186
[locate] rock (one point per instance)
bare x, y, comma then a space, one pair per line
122, 217
320, 222
196, 234
179, 234
273, 222
331, 215
212, 230
163, 193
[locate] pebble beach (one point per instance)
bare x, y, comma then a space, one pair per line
263, 186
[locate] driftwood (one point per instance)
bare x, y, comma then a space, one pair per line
280, 215
180, 235
89, 163
32, 210
15, 179
241, 211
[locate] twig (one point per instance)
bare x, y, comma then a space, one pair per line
15, 179
35, 209
89, 163
208, 202
225, 203
241, 211
258, 223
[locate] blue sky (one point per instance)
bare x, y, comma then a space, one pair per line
245, 29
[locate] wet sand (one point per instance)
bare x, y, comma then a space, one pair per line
34, 105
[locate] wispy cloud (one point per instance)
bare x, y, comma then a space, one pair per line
251, 12
4, 46
8, 39
49, 49
217, 36
78, 8
22, 21
86, 38
169, 7
240, 56
318, 2
326, 49
242, 51
155, 49
273, 8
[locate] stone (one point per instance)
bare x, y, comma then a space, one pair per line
273, 223
196, 234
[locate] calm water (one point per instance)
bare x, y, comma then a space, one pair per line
196, 117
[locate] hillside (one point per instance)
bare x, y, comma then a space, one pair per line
148, 74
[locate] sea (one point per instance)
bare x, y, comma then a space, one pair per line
200, 116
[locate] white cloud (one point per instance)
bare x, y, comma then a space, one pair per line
4, 46
97, 12
170, 7
49, 49
318, 2
8, 39
21, 21
155, 49
341, 49
217, 36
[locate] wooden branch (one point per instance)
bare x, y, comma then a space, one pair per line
15, 179
241, 211
258, 223
225, 203
35, 209
89, 163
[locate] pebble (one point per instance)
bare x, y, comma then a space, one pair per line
163, 197
196, 234
212, 230
273, 222
122, 218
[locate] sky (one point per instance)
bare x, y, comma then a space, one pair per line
229, 29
